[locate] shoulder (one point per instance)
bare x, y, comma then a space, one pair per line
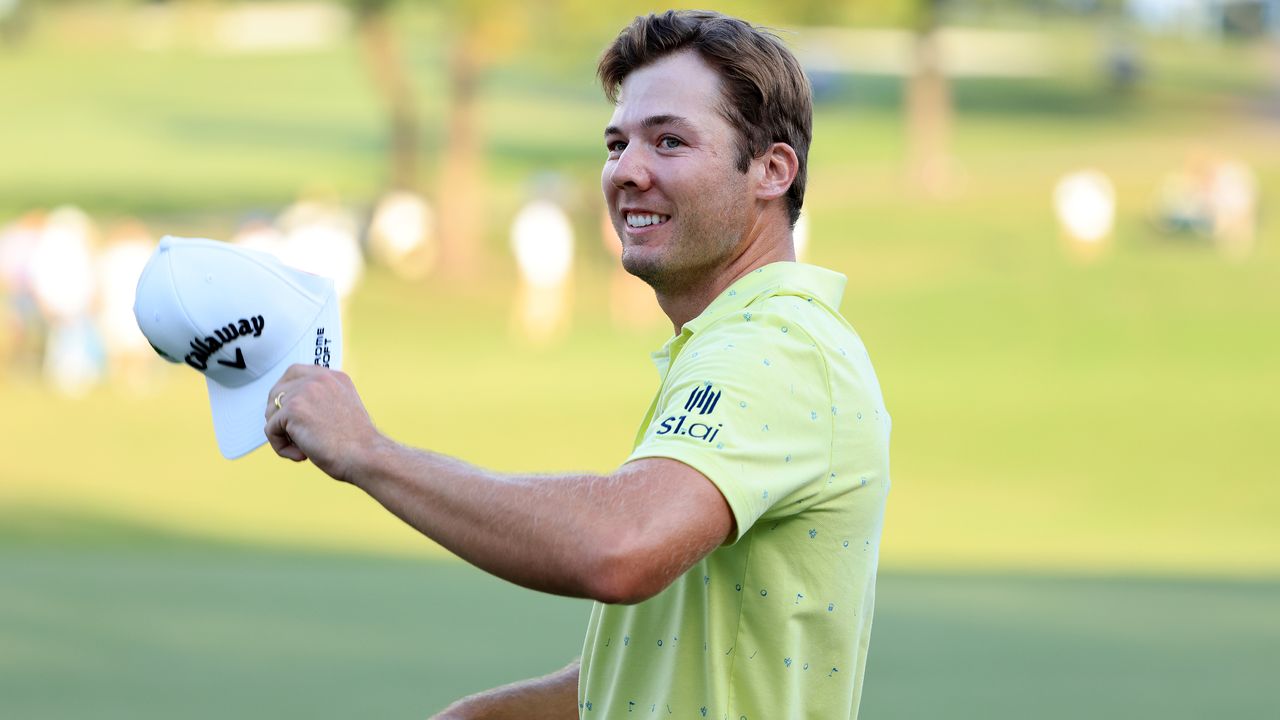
758, 356
792, 328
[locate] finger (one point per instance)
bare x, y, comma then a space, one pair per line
272, 394
271, 408
278, 436
283, 388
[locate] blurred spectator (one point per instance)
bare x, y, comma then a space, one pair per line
125, 252
542, 240
1085, 203
1214, 198
62, 264
260, 234
22, 326
74, 358
1233, 202
320, 238
401, 235
64, 284
1122, 65
1182, 206
314, 236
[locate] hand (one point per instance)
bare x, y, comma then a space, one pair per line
320, 418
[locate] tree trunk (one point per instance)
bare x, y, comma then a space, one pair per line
461, 230
382, 53
928, 116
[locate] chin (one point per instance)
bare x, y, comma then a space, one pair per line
660, 273
635, 262
656, 269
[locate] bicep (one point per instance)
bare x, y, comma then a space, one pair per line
684, 515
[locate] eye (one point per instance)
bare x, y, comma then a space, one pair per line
670, 142
615, 146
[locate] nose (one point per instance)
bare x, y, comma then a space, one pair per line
630, 170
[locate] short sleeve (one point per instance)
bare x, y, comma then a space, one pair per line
747, 404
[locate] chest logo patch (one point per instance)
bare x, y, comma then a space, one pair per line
703, 399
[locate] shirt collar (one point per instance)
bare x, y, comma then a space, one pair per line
780, 278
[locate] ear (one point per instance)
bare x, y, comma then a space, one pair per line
777, 170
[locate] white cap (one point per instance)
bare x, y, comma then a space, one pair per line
240, 317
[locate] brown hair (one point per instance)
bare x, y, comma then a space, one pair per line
766, 95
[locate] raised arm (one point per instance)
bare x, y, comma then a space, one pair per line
618, 538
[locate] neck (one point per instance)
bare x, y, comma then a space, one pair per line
764, 247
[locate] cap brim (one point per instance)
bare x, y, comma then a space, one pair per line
238, 413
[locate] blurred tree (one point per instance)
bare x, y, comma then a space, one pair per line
477, 33
481, 32
383, 54
928, 112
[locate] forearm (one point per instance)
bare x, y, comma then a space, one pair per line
617, 538
542, 532
554, 697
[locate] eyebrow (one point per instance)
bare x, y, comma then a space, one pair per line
654, 121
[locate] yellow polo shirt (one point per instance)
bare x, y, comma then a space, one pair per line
771, 395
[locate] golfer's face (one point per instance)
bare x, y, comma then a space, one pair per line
676, 200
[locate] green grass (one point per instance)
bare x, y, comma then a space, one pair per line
1027, 646
202, 631
115, 621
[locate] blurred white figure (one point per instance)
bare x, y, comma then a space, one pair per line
631, 301
800, 236
401, 235
1085, 202
62, 264
64, 283
125, 253
542, 238
1233, 205
321, 239
260, 235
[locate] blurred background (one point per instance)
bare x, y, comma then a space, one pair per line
1058, 222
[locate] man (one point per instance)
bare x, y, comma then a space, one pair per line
733, 555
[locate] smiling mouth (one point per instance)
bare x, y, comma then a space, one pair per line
641, 220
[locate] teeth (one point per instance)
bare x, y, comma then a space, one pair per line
638, 220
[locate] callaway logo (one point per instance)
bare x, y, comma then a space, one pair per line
198, 358
703, 400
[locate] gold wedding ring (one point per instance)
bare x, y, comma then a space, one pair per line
278, 399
